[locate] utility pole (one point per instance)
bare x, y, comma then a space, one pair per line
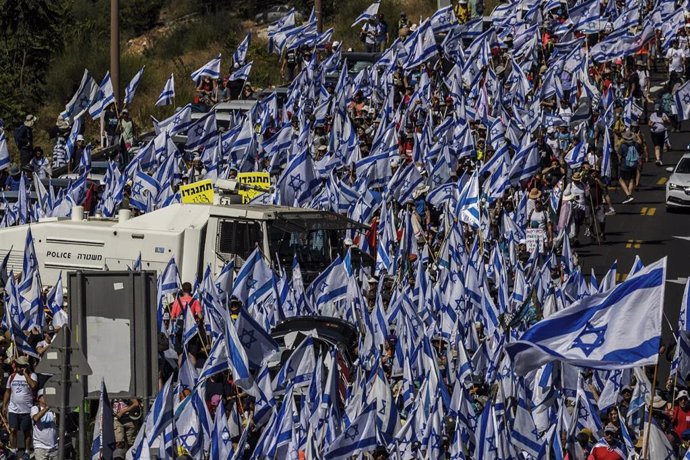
115, 48
318, 9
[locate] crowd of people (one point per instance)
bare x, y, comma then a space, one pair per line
478, 154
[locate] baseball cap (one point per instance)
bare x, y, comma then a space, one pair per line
611, 428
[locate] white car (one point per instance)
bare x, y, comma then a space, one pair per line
678, 185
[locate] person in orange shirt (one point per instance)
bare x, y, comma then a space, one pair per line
183, 300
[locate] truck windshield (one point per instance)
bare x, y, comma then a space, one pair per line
313, 248
237, 237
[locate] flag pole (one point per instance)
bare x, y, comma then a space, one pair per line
648, 425
675, 388
594, 219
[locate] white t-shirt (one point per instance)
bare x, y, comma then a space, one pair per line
675, 57
657, 122
22, 397
643, 76
45, 431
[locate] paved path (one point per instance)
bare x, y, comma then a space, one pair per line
645, 228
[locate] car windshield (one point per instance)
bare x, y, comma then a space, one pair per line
359, 65
683, 166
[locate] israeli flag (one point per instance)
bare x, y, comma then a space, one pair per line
4, 153
443, 20
298, 182
607, 151
104, 98
201, 132
103, 444
358, 438
240, 55
168, 94
132, 86
72, 138
369, 13
613, 330
162, 412
81, 101
682, 99
469, 202
424, 47
242, 73
144, 190
178, 122
210, 69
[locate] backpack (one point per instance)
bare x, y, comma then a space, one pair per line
632, 156
291, 57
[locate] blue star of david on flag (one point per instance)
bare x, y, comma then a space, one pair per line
137, 188
352, 432
295, 182
491, 441
247, 338
190, 434
225, 437
436, 439
382, 411
251, 282
590, 338
583, 413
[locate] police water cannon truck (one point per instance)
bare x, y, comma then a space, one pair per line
195, 234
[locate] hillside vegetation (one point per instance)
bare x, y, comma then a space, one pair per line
51, 42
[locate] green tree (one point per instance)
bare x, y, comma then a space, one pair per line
32, 35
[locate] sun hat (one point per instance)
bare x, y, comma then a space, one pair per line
534, 194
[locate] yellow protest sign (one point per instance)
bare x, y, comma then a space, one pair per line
259, 180
197, 192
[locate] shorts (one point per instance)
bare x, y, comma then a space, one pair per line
658, 139
20, 422
45, 454
627, 174
125, 432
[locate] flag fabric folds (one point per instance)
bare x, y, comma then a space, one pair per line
612, 330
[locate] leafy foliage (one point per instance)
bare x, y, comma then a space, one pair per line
32, 31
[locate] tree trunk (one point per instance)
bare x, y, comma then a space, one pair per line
21, 71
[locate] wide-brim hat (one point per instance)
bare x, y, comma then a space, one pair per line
658, 402
534, 194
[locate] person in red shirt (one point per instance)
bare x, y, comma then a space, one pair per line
608, 448
680, 416
183, 300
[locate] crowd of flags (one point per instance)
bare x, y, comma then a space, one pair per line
465, 310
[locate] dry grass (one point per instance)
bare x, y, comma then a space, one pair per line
187, 48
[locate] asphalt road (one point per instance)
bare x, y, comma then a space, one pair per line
645, 228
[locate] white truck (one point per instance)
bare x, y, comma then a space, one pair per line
194, 234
